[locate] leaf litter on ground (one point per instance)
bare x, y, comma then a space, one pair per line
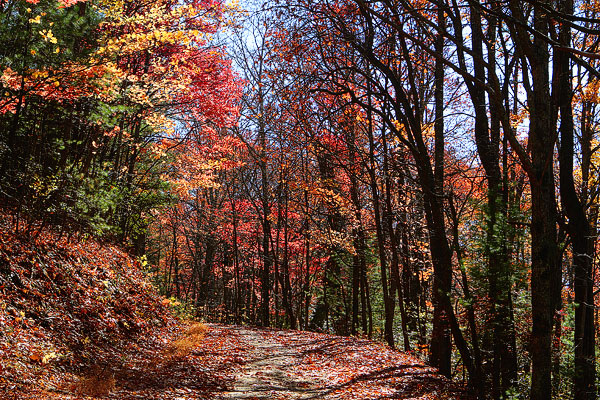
79, 319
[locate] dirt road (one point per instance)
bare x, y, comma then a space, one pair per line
301, 365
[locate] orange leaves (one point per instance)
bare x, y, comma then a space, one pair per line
70, 82
173, 43
197, 163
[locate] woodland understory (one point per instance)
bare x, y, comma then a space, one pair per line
422, 173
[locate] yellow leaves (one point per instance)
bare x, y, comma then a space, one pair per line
233, 4
428, 131
160, 122
138, 95
36, 20
153, 26
43, 186
48, 36
590, 91
518, 118
330, 197
48, 357
43, 357
595, 161
39, 75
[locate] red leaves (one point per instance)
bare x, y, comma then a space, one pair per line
293, 364
64, 302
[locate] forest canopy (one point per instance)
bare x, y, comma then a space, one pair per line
424, 172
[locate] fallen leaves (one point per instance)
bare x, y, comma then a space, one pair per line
65, 304
78, 318
311, 365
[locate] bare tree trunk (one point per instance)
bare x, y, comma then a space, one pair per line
396, 286
441, 346
388, 299
584, 385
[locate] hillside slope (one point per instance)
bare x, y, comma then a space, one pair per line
79, 318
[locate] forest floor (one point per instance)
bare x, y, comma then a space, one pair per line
302, 365
80, 320
233, 362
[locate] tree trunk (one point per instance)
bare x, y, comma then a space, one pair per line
441, 346
545, 266
388, 299
503, 342
578, 227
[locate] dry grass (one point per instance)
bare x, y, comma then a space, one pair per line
197, 329
98, 382
190, 339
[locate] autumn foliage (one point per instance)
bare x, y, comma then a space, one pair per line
422, 172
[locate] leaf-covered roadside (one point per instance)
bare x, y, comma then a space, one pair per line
73, 309
303, 365
365, 369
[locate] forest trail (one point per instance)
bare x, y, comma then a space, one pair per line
303, 365
269, 372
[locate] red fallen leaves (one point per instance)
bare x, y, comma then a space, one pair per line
64, 304
363, 369
71, 307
